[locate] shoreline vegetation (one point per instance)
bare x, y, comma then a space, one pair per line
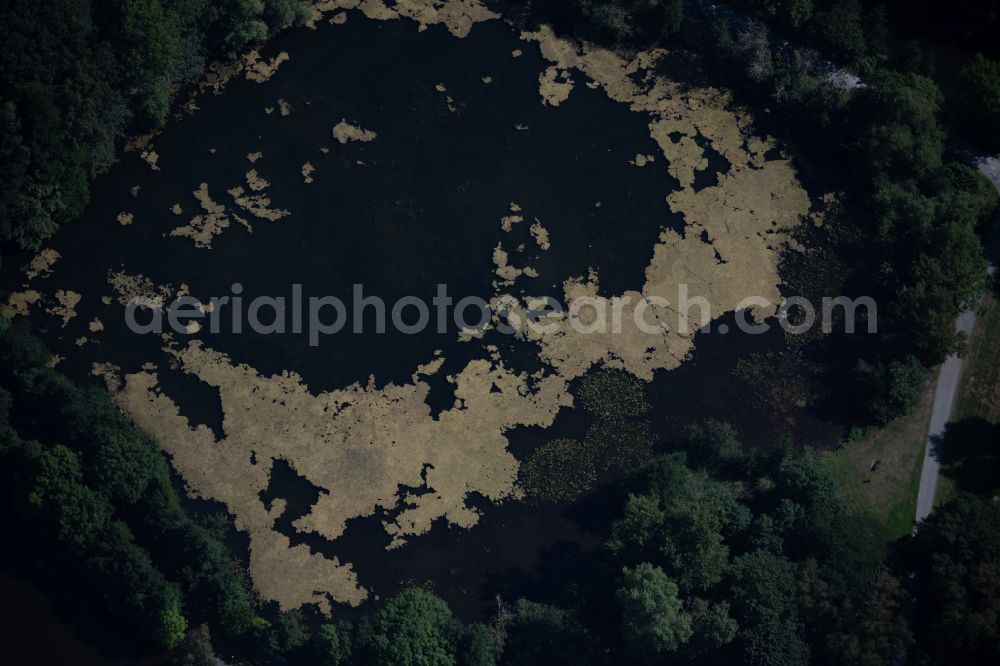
715, 553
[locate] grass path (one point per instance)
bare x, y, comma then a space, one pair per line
889, 494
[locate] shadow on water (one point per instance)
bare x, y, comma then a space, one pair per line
48, 623
713, 384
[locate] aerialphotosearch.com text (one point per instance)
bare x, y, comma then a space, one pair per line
319, 316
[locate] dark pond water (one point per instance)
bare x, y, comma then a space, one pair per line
422, 209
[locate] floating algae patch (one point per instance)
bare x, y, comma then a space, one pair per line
507, 272
253, 203
260, 70
255, 181
360, 443
730, 248
642, 160
65, 307
214, 219
457, 16
258, 205
507, 222
152, 158
541, 235
18, 303
733, 238
139, 289
674, 108
41, 264
501, 257
554, 85
292, 576
344, 132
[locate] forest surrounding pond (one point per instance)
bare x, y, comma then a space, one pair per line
454, 494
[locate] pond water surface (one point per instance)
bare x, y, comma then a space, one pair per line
461, 134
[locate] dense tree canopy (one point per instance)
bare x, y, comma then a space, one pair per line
955, 558
98, 498
412, 630
77, 74
978, 100
633, 19
654, 623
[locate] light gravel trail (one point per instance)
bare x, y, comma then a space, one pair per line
951, 372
